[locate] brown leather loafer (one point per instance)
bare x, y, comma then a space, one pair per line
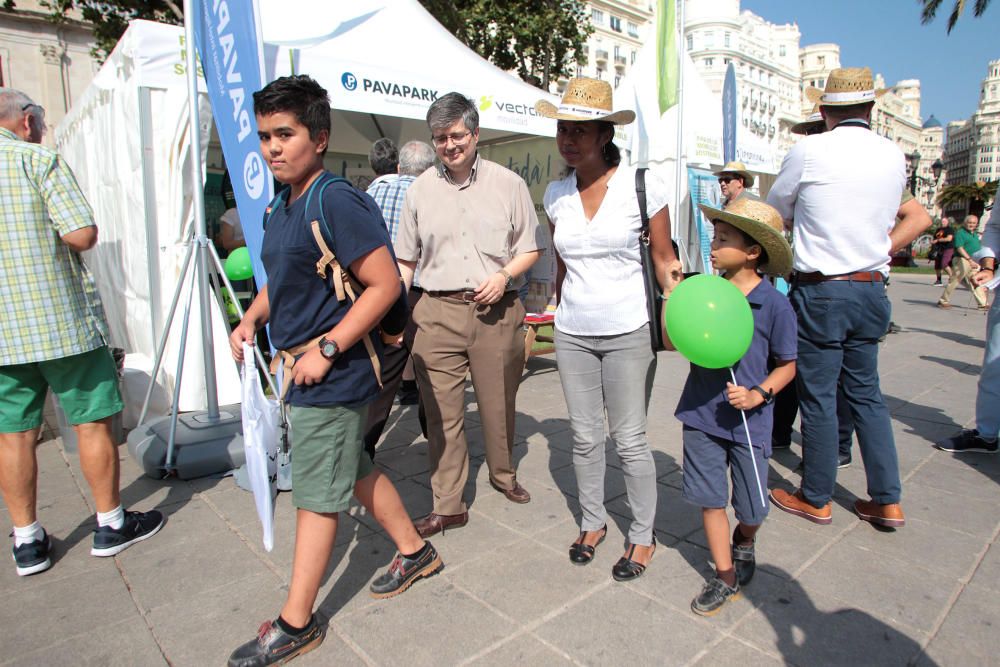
890, 516
517, 495
432, 524
794, 503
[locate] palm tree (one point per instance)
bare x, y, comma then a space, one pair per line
931, 7
974, 197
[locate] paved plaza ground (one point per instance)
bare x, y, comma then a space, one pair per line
844, 594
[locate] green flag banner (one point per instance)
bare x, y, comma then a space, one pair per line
667, 59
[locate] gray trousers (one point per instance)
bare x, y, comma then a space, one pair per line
613, 375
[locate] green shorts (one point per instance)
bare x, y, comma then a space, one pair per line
86, 384
328, 456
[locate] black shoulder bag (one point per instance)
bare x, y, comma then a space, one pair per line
654, 304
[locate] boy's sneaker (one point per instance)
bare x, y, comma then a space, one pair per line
969, 441
138, 526
33, 557
403, 572
744, 560
937, 283
715, 594
275, 646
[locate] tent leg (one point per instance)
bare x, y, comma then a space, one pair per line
208, 338
168, 463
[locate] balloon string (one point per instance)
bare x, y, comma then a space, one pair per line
746, 428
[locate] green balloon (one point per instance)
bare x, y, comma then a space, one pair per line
238, 265
709, 321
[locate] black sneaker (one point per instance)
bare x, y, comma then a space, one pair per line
715, 594
744, 559
969, 441
33, 557
843, 461
138, 526
275, 646
403, 572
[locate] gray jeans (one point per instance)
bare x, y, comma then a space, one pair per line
612, 374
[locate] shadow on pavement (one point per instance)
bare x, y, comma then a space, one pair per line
953, 336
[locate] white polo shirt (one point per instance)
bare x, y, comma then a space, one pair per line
841, 191
603, 293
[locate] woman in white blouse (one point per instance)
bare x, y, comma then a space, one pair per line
602, 338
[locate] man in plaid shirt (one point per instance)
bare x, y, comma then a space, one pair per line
395, 173
52, 335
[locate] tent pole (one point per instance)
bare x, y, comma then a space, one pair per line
168, 461
680, 161
198, 202
378, 127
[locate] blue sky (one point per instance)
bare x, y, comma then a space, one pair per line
887, 36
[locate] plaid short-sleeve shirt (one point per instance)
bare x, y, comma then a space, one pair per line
389, 192
51, 307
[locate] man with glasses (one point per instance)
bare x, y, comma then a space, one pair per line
472, 226
53, 335
734, 179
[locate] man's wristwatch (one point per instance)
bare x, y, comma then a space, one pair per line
768, 395
509, 278
329, 349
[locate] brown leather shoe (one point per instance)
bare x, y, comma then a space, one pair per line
517, 495
432, 524
794, 503
890, 516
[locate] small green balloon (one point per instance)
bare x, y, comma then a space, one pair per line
238, 266
709, 321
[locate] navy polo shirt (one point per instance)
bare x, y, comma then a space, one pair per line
703, 404
303, 305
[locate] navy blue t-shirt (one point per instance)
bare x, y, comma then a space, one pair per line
703, 404
303, 305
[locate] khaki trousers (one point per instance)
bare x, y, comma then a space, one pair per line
961, 269
455, 339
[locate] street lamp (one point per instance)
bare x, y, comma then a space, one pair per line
914, 159
936, 169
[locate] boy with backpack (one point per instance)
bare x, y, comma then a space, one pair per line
335, 371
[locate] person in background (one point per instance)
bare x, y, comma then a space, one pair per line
963, 266
53, 335
734, 179
944, 245
602, 338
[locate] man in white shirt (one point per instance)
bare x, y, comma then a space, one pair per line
840, 191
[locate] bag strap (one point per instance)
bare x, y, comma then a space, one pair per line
640, 193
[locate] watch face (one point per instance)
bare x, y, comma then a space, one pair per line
329, 349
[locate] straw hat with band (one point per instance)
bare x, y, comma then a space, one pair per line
585, 99
845, 86
812, 121
737, 168
764, 225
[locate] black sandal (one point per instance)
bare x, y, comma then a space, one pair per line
627, 569
580, 553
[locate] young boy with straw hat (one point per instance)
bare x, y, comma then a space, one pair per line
748, 241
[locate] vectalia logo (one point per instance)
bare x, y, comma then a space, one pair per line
349, 81
485, 102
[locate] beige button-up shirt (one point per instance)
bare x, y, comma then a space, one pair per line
462, 233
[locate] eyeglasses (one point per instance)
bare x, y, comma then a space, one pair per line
725, 179
457, 138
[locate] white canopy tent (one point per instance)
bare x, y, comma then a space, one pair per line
126, 139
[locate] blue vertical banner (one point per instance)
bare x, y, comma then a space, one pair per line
729, 115
227, 34
704, 188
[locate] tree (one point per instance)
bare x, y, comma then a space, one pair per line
110, 17
931, 7
541, 40
973, 197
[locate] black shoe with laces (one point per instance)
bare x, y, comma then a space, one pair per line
713, 596
274, 646
969, 441
138, 526
33, 557
403, 572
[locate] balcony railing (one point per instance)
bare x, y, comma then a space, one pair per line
601, 56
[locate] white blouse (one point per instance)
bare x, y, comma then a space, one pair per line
603, 292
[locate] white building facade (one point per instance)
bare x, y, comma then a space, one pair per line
620, 29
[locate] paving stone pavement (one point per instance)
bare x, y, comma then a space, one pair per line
843, 594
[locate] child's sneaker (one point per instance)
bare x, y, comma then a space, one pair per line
138, 526
33, 557
715, 594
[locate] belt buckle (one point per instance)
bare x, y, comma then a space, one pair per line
468, 296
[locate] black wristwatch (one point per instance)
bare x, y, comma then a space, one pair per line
768, 395
329, 349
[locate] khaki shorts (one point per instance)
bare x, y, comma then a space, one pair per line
86, 384
328, 456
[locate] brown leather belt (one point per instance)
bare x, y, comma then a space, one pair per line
858, 276
466, 295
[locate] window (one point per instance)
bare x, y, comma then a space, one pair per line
726, 61
690, 43
709, 62
597, 16
781, 50
618, 79
634, 53
725, 40
618, 51
709, 39
821, 60
633, 29
616, 24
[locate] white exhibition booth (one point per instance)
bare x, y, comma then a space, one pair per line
126, 140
